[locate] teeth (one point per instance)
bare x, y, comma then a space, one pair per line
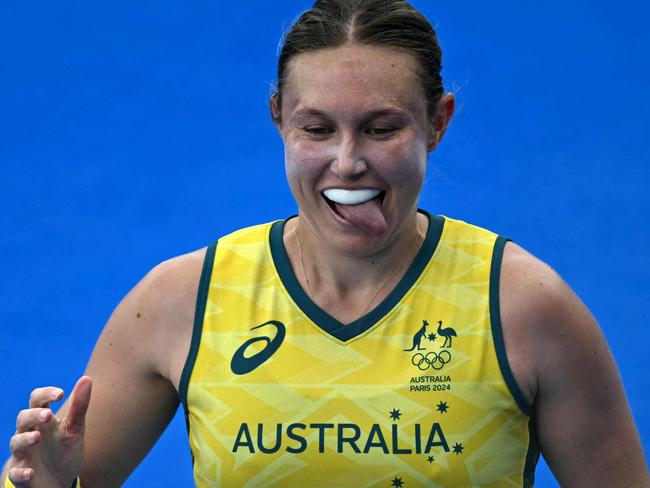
351, 197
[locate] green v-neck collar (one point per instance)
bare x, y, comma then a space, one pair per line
325, 321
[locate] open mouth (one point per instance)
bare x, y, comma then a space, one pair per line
361, 208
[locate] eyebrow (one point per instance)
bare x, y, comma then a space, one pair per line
369, 115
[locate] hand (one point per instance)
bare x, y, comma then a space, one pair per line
47, 450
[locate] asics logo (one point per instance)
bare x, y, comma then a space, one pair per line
240, 364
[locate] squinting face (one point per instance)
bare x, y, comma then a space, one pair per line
356, 135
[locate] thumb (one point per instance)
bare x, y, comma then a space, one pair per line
79, 400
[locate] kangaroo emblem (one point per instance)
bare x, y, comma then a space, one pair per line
418, 336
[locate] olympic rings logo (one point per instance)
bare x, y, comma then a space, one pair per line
431, 360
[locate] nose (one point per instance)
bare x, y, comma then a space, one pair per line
349, 162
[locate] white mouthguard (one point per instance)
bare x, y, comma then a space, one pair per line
351, 197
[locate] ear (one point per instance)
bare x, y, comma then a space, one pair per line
274, 108
440, 122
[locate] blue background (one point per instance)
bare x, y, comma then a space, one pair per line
133, 132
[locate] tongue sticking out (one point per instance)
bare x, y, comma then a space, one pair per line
366, 216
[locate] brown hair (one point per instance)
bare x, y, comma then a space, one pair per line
390, 23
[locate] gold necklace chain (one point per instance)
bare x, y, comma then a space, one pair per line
392, 275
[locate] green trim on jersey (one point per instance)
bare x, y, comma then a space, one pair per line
497, 331
201, 300
532, 456
325, 321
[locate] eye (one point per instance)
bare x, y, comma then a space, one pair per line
381, 131
318, 131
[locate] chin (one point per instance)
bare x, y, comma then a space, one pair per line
356, 243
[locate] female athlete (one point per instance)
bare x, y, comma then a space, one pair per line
362, 342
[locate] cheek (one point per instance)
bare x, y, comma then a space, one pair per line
304, 161
401, 163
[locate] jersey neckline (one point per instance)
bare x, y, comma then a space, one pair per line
330, 325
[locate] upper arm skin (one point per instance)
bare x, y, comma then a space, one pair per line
135, 368
563, 365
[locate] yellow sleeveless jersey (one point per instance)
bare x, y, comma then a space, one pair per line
417, 392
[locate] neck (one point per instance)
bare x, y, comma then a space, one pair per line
348, 284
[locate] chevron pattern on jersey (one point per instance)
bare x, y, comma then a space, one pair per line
417, 398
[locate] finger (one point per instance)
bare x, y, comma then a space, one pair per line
20, 443
32, 418
41, 397
20, 476
79, 401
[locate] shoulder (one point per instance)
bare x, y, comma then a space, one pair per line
168, 287
168, 294
534, 284
544, 323
171, 282
156, 317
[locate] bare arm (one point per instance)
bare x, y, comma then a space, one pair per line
134, 369
584, 425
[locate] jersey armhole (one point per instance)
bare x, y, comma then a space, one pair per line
199, 313
497, 330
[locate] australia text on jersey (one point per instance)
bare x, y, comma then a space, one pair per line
295, 438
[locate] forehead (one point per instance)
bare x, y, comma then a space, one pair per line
353, 78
